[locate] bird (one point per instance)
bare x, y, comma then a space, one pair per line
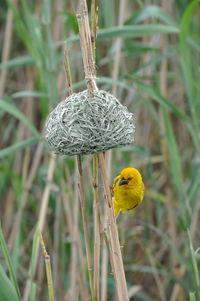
128, 190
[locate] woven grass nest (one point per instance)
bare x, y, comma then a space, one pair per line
87, 125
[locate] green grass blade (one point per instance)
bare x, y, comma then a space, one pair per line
127, 31
33, 265
149, 12
13, 110
29, 94
174, 155
8, 262
192, 296
194, 265
188, 62
20, 61
7, 290
154, 94
13, 148
135, 31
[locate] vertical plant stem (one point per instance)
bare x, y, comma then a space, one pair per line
118, 271
94, 21
6, 44
85, 223
86, 48
115, 74
41, 219
81, 189
89, 68
97, 240
96, 212
48, 269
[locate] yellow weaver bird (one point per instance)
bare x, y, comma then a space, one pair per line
128, 190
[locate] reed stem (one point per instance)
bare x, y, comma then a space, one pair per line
81, 185
48, 269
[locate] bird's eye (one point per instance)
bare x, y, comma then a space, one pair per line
129, 179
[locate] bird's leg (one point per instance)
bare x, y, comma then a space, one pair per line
111, 189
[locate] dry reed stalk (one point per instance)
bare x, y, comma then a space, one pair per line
94, 26
118, 44
115, 74
25, 133
96, 210
169, 204
77, 253
104, 271
6, 48
115, 252
158, 281
97, 239
58, 24
55, 254
86, 48
89, 69
26, 191
85, 223
42, 215
74, 261
81, 187
177, 291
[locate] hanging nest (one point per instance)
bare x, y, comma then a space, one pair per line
87, 125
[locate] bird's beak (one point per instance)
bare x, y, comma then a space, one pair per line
123, 182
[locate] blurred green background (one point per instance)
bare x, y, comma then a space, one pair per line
148, 55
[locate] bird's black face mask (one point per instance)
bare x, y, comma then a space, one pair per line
123, 182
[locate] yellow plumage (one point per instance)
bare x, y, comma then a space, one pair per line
128, 190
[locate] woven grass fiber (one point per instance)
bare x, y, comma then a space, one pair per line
86, 125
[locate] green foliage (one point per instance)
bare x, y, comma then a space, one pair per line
11, 287
7, 290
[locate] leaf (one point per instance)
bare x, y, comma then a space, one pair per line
25, 60
192, 296
7, 290
9, 265
13, 148
151, 11
135, 31
128, 31
13, 110
29, 94
190, 68
152, 92
174, 156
